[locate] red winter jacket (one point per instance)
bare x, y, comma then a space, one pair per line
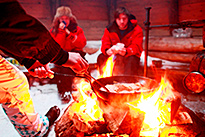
74, 41
132, 38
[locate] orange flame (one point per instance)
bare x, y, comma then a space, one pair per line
87, 105
157, 112
108, 68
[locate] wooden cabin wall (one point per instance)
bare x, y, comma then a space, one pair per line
192, 10
159, 13
165, 12
94, 15
40, 9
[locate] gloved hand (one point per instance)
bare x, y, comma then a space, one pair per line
117, 49
62, 25
110, 52
121, 49
40, 70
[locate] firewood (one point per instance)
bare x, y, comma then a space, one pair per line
121, 119
172, 100
114, 116
182, 117
132, 123
64, 127
72, 124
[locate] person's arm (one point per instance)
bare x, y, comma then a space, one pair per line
78, 38
106, 42
135, 48
74, 61
60, 37
23, 36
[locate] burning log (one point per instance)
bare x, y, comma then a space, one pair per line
83, 116
123, 119
117, 120
132, 123
183, 125
75, 124
182, 117
174, 100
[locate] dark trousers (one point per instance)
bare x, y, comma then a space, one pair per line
64, 83
123, 65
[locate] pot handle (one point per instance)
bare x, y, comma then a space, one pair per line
90, 78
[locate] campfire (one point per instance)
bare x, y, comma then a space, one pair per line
159, 113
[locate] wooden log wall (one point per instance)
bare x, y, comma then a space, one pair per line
40, 9
94, 15
165, 12
175, 49
192, 10
159, 13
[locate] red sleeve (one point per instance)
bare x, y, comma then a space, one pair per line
78, 38
60, 37
136, 47
106, 42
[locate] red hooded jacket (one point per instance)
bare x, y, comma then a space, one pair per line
132, 38
74, 41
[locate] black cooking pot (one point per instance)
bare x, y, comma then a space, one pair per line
120, 97
150, 85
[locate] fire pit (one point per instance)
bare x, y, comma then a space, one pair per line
153, 110
88, 115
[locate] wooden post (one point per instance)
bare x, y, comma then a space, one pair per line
204, 35
173, 11
111, 6
54, 4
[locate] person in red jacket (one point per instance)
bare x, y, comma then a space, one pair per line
123, 38
71, 38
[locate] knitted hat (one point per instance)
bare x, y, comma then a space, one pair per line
63, 11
